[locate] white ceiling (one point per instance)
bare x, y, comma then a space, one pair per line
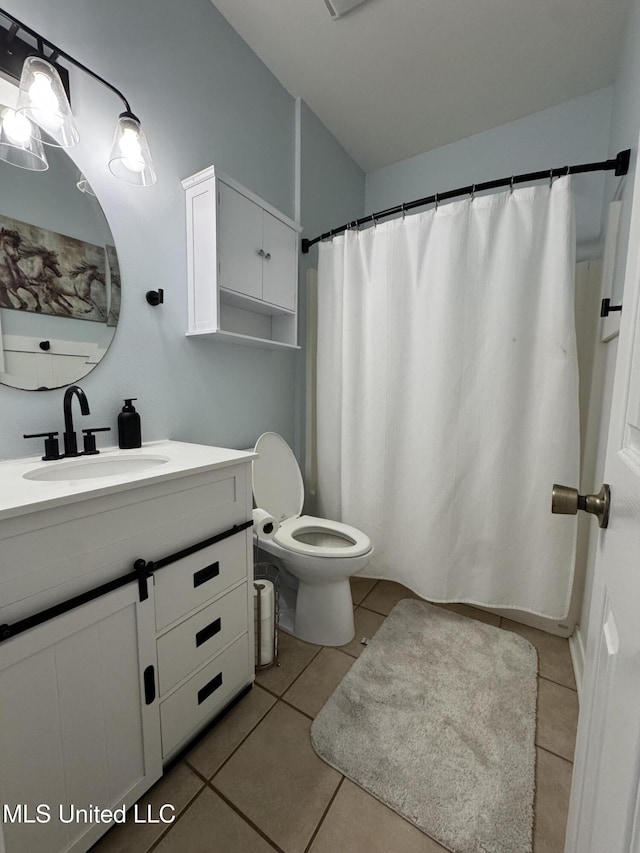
394, 78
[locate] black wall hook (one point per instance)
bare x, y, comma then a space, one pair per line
155, 297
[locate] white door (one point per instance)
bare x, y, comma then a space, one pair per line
604, 814
75, 728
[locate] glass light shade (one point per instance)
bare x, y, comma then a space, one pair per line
130, 158
20, 142
42, 99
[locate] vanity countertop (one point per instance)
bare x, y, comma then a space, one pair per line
22, 492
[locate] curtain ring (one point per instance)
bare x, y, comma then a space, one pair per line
550, 178
473, 192
511, 185
404, 212
437, 201
375, 221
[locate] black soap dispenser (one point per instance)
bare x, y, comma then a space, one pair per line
129, 432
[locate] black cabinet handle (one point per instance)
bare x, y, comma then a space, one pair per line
206, 574
209, 688
149, 685
207, 633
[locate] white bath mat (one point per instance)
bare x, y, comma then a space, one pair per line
437, 720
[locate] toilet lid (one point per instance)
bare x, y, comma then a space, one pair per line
277, 481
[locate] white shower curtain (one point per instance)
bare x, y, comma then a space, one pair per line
448, 396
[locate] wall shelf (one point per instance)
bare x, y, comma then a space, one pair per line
247, 340
249, 303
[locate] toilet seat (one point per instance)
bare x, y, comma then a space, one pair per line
278, 488
291, 528
318, 554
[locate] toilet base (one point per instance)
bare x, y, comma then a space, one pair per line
324, 613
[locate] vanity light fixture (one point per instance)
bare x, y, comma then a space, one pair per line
20, 142
43, 100
44, 105
130, 158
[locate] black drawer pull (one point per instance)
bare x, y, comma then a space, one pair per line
149, 685
206, 574
209, 688
207, 633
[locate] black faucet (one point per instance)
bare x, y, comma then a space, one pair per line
69, 437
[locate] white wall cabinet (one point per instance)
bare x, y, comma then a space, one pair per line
242, 264
78, 723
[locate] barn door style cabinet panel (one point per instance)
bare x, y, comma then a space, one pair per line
75, 727
242, 259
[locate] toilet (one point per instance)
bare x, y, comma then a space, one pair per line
319, 554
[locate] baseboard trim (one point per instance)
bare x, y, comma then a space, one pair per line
576, 647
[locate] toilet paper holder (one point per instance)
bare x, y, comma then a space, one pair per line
266, 640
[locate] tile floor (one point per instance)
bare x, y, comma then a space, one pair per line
254, 784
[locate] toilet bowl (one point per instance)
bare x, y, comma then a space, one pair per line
321, 554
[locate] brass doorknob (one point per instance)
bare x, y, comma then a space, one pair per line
567, 501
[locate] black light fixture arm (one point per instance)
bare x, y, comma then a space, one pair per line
619, 165
56, 52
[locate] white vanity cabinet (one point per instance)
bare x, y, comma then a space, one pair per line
242, 264
76, 728
94, 700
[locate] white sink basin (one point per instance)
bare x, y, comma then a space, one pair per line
98, 466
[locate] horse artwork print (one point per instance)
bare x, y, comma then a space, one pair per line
114, 275
51, 273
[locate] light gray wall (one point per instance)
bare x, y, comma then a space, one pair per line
575, 131
203, 97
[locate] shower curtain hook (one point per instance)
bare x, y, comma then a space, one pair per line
375, 221
550, 178
473, 192
437, 201
404, 212
511, 185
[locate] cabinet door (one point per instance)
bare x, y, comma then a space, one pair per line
239, 242
279, 284
75, 729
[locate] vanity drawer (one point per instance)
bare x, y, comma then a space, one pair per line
185, 710
190, 582
190, 644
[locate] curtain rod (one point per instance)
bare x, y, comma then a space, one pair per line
619, 164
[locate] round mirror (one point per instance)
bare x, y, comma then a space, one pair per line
59, 276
